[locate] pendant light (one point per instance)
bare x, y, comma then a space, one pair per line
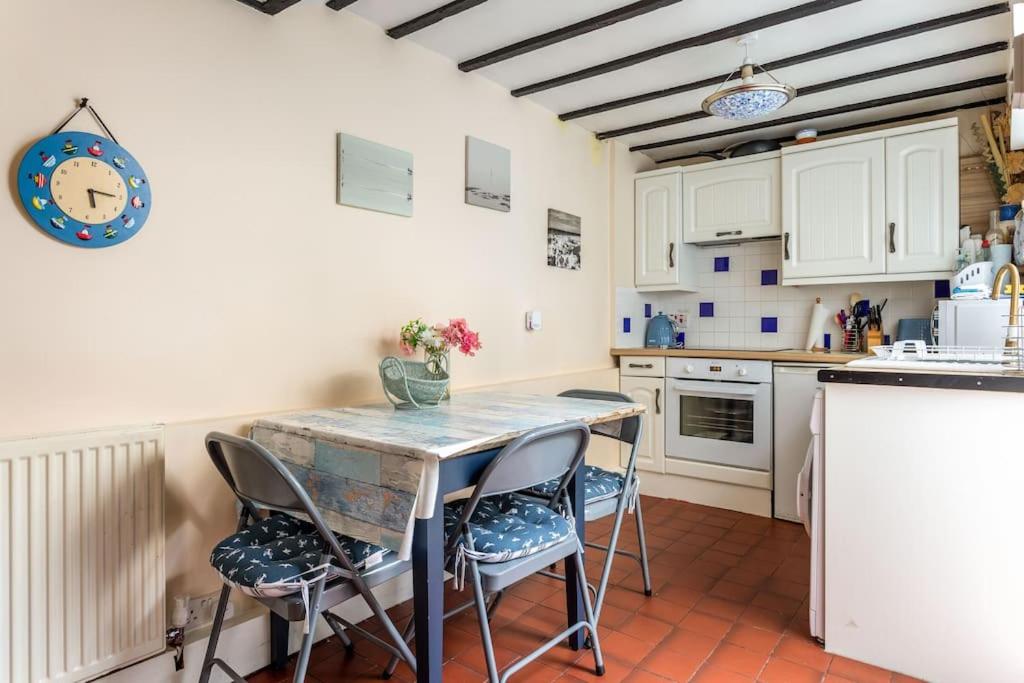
749, 99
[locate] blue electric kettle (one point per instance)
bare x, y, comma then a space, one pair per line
661, 332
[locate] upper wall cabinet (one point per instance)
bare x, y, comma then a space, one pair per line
922, 172
663, 262
731, 200
882, 206
834, 210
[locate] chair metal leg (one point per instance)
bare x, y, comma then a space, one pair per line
485, 626
340, 632
302, 661
407, 634
588, 610
642, 538
218, 624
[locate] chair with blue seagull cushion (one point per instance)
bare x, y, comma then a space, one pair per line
610, 493
297, 568
499, 537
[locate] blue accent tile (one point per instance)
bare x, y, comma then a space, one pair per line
942, 289
681, 339
886, 340
707, 309
625, 325
721, 264
769, 324
828, 340
647, 310
769, 277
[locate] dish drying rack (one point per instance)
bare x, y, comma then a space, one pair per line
916, 350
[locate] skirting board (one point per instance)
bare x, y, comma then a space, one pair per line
717, 494
245, 643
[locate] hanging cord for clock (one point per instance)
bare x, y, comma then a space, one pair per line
84, 104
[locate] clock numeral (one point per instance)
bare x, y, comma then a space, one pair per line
60, 196
92, 164
63, 171
76, 164
56, 182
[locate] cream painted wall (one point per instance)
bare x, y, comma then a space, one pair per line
250, 291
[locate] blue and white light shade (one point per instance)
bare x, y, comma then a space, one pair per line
749, 99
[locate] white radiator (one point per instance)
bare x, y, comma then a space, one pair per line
81, 553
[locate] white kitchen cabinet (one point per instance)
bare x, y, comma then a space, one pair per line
876, 207
833, 211
731, 200
650, 392
662, 260
922, 172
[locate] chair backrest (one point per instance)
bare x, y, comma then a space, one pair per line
540, 455
260, 480
627, 430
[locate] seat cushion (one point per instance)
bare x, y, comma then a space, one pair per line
507, 527
267, 558
598, 484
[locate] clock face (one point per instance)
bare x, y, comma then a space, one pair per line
88, 190
84, 189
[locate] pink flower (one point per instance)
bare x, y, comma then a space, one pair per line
406, 349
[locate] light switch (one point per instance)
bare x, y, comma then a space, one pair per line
533, 320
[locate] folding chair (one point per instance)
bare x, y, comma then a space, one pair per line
297, 569
500, 538
609, 492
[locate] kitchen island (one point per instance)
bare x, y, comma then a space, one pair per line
922, 505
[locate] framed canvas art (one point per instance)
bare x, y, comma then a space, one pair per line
488, 175
374, 176
565, 240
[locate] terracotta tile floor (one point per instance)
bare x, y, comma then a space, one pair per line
729, 605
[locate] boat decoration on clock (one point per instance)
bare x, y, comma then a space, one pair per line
76, 186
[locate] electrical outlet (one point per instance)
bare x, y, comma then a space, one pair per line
201, 609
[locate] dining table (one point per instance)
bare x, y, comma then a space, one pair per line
380, 474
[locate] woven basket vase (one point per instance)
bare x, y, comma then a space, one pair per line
408, 384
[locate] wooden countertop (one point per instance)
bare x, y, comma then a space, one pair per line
787, 356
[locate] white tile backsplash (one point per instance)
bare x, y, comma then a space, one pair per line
741, 301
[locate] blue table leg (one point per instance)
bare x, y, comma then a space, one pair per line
278, 642
428, 593
573, 596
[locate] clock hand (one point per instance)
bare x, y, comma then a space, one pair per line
105, 194
92, 198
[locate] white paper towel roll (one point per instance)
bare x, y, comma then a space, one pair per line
817, 327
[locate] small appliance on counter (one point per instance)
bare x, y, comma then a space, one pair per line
661, 332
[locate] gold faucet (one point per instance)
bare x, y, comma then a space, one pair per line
997, 290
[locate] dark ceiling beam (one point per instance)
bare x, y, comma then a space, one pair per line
996, 79
270, 6
837, 49
625, 13
947, 58
338, 5
432, 17
773, 19
860, 126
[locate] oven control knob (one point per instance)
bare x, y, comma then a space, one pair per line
689, 369
742, 372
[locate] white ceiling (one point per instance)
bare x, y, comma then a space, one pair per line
496, 23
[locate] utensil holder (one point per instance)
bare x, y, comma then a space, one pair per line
852, 341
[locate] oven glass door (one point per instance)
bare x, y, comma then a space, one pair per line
723, 423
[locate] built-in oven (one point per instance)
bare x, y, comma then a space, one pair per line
719, 412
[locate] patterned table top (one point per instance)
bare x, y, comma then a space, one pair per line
371, 470
466, 424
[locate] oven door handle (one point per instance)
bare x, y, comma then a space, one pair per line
700, 389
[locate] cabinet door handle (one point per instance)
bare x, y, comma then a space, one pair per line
657, 401
671, 254
892, 238
646, 366
728, 232
785, 247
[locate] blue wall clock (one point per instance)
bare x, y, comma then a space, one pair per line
84, 189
